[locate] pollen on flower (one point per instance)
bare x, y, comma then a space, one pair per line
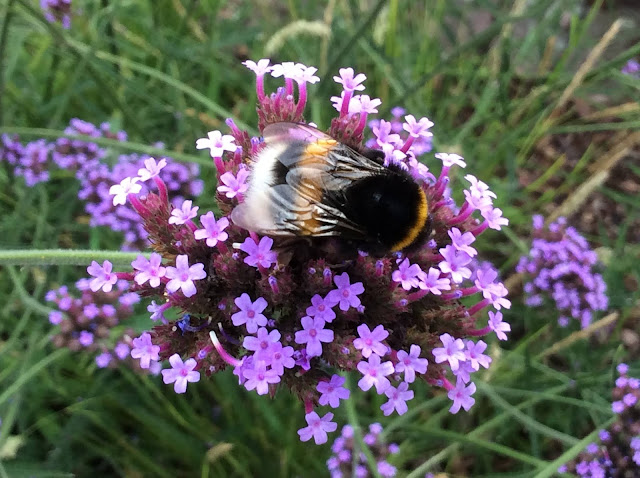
299, 314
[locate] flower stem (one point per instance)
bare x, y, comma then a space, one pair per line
70, 257
352, 416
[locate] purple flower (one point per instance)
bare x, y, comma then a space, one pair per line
498, 326
234, 185
184, 214
149, 270
281, 358
321, 309
122, 350
217, 143
183, 275
144, 350
454, 263
151, 169
375, 373
410, 363
348, 81
103, 277
259, 255
250, 313
462, 242
85, 338
262, 344
260, 378
103, 360
622, 368
453, 351
317, 428
213, 230
475, 356
433, 283
407, 275
371, 341
419, 128
347, 294
449, 160
617, 407
397, 398
461, 396
260, 68
180, 373
332, 391
313, 334
494, 218
121, 191
55, 317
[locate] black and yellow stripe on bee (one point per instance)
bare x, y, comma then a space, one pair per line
422, 213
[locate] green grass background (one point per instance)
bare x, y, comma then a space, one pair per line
169, 71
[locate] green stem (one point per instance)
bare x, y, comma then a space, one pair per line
107, 142
352, 416
68, 257
3, 43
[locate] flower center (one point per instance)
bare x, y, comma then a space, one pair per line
373, 373
321, 307
345, 293
368, 342
251, 314
184, 372
264, 345
313, 332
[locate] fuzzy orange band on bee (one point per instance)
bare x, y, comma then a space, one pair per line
422, 209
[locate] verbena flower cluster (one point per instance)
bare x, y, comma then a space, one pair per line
88, 320
341, 463
57, 11
618, 453
562, 266
90, 163
294, 322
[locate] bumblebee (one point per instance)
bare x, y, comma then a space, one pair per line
305, 184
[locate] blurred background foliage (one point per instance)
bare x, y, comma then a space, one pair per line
530, 93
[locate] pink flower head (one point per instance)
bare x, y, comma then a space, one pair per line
453, 351
348, 81
151, 169
313, 334
449, 159
259, 378
250, 313
262, 344
287, 69
259, 254
462, 242
121, 191
419, 128
364, 104
498, 326
144, 350
347, 294
260, 68
494, 218
475, 356
234, 185
433, 283
407, 274
103, 278
461, 396
217, 143
184, 213
281, 357
332, 391
375, 373
149, 269
397, 399
410, 363
454, 263
371, 341
213, 231
321, 309
183, 275
384, 136
318, 428
180, 373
